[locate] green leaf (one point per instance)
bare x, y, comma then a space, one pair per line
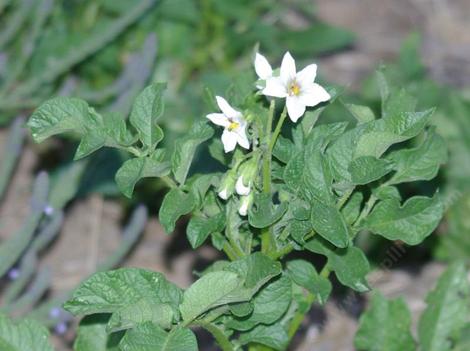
256, 270
447, 311
108, 292
304, 274
367, 169
269, 305
385, 326
144, 310
92, 335
411, 222
175, 204
274, 336
350, 264
351, 267
25, 335
185, 149
59, 115
150, 337
420, 163
211, 290
362, 114
146, 110
284, 149
199, 228
263, 213
137, 168
89, 143
328, 221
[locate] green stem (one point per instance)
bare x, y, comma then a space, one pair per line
169, 182
365, 212
343, 199
266, 236
222, 340
278, 129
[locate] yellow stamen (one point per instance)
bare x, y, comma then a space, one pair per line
294, 88
233, 126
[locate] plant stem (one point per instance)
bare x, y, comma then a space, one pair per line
343, 199
267, 151
278, 129
365, 211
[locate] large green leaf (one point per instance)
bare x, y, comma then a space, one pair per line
59, 115
25, 335
211, 290
146, 110
385, 326
447, 311
200, 227
350, 264
273, 336
176, 203
330, 223
269, 305
366, 169
137, 168
92, 335
420, 163
411, 222
185, 149
108, 292
144, 310
304, 274
150, 337
263, 213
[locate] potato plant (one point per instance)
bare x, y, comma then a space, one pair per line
288, 183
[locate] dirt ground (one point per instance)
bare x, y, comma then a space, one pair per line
93, 225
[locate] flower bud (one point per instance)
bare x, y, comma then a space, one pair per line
245, 204
227, 185
246, 177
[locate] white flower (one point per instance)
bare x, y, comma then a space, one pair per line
233, 123
241, 188
262, 67
298, 88
227, 184
245, 204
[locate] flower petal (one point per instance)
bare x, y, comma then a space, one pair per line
262, 67
229, 139
223, 194
313, 94
241, 188
307, 75
275, 87
295, 108
218, 119
226, 109
244, 203
242, 139
288, 70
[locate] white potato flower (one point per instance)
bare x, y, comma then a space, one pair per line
234, 125
298, 88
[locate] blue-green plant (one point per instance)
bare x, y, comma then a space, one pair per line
285, 185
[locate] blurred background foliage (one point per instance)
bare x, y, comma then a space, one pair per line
106, 51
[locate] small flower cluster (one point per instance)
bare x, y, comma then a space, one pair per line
299, 91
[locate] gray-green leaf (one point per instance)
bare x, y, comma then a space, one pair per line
25, 335
385, 326
447, 311
150, 337
175, 204
108, 292
411, 222
146, 110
